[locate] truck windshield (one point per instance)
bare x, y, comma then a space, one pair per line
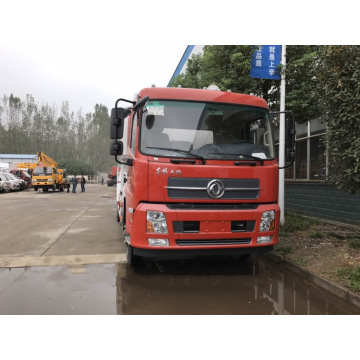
42, 170
212, 131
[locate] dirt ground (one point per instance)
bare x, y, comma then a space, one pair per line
324, 248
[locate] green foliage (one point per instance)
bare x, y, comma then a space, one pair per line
191, 77
351, 276
282, 250
354, 242
339, 81
26, 127
302, 97
295, 222
322, 82
317, 235
75, 167
228, 67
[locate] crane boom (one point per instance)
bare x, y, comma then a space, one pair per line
46, 160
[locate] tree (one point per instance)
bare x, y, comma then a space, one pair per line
339, 86
75, 167
191, 77
228, 67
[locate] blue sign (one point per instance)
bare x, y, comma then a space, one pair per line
265, 62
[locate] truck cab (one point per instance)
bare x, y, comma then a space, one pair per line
47, 178
46, 175
202, 174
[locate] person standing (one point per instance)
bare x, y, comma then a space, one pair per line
67, 183
83, 181
74, 184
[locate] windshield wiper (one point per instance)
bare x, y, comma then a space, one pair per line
248, 156
203, 161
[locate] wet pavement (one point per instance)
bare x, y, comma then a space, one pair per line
200, 286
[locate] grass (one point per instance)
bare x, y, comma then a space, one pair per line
354, 242
300, 261
282, 250
351, 276
295, 222
317, 235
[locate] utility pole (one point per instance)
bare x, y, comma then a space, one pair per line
282, 138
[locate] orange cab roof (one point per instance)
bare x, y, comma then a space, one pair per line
202, 95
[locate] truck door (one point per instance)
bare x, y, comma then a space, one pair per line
130, 202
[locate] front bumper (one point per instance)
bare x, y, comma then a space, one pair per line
216, 231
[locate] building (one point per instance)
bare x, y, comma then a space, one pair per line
9, 161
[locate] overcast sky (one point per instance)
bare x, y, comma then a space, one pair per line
81, 52
89, 52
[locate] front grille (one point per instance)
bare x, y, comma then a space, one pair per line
207, 242
196, 188
194, 226
215, 207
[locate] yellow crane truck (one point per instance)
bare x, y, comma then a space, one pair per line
45, 174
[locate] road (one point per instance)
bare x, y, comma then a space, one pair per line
63, 253
54, 228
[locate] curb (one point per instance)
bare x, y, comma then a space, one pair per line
67, 260
323, 283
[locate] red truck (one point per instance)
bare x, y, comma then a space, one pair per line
201, 173
112, 176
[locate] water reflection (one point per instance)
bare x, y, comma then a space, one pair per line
221, 286
203, 286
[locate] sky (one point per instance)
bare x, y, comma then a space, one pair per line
94, 52
79, 52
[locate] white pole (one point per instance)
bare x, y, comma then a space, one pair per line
282, 138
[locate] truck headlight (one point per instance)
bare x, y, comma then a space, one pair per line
50, 180
34, 180
267, 221
156, 222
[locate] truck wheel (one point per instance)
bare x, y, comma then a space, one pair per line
133, 260
117, 215
35, 188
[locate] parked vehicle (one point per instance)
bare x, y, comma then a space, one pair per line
24, 175
14, 184
112, 175
45, 174
22, 183
202, 173
4, 184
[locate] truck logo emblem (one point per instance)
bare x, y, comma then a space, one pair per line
215, 189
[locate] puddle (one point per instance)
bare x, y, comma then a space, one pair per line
208, 286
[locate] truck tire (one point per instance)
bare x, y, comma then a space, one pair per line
35, 188
117, 215
133, 260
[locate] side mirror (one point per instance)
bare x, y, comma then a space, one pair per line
117, 123
290, 140
116, 148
